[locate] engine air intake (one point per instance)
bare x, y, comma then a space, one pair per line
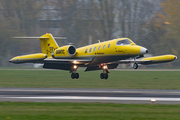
64, 52
72, 50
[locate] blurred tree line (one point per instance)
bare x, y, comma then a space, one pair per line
150, 23
17, 18
161, 33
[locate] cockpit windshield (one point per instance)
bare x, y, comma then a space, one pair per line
123, 42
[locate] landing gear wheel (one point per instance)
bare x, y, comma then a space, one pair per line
73, 75
135, 66
106, 76
102, 76
77, 75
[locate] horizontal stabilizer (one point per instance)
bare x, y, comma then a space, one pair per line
39, 37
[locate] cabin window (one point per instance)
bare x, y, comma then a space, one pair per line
95, 49
104, 46
109, 45
99, 48
90, 49
86, 51
123, 42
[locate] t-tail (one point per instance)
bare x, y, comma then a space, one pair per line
48, 45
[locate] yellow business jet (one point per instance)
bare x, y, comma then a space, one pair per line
99, 56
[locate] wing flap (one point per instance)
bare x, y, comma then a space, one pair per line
57, 66
110, 66
65, 64
79, 61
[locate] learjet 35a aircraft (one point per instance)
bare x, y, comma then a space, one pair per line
99, 56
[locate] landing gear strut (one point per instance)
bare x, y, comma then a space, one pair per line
74, 74
104, 75
135, 65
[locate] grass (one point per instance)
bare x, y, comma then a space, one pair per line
86, 111
117, 79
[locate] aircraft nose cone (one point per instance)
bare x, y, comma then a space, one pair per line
144, 50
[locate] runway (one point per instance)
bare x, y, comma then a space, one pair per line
127, 96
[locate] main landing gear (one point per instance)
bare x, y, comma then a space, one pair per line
74, 74
104, 75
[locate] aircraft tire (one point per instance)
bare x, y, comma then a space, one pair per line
77, 75
102, 76
135, 66
73, 75
106, 76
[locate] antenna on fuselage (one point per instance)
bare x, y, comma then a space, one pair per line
99, 41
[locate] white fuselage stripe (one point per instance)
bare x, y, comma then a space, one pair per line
54, 40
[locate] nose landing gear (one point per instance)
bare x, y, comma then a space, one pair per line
135, 65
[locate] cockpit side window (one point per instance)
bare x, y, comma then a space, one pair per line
86, 51
123, 42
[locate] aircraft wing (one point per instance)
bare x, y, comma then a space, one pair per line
151, 60
65, 64
80, 61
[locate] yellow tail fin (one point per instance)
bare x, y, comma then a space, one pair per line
48, 44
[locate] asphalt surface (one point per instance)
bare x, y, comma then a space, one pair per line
127, 96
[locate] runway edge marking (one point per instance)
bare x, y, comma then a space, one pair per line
98, 98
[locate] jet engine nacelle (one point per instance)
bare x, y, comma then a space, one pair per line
64, 52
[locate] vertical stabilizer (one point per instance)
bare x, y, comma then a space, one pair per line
48, 44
